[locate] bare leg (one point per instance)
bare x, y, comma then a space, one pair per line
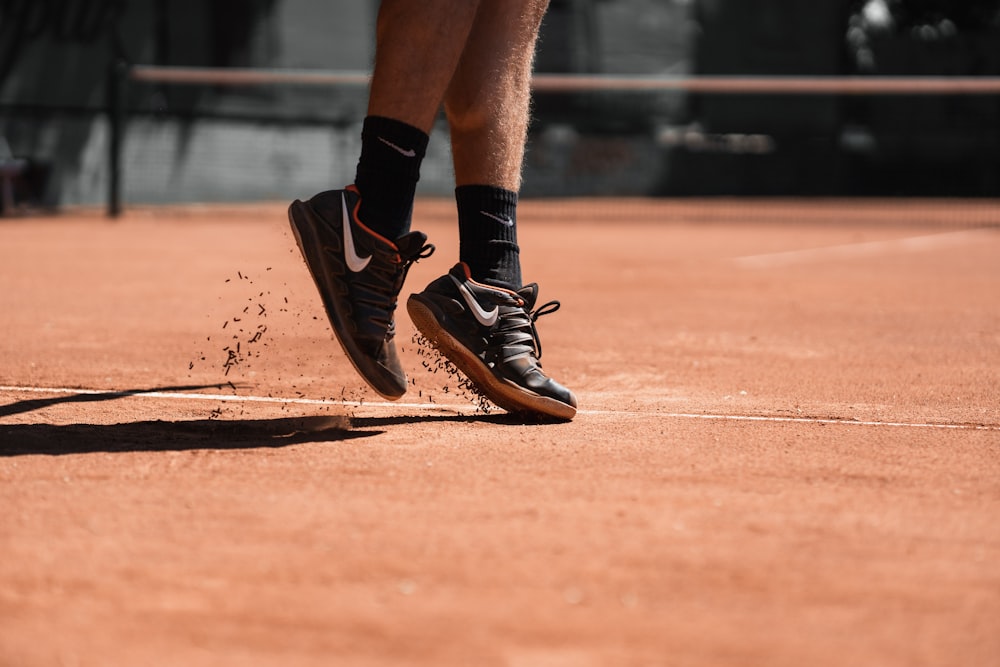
418, 46
488, 99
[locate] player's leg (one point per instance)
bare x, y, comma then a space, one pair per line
487, 105
479, 315
489, 97
418, 46
356, 241
417, 50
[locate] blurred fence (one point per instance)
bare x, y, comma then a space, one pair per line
229, 158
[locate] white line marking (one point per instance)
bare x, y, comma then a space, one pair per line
470, 409
234, 398
855, 250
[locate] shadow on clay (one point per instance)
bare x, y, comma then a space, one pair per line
184, 435
163, 436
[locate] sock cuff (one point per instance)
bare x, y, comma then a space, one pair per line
487, 226
396, 135
387, 173
487, 197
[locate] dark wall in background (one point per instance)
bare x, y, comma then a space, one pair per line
932, 145
55, 57
829, 145
54, 54
765, 37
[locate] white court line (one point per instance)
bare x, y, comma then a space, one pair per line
470, 409
234, 398
855, 250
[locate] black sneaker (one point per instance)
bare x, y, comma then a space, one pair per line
489, 334
359, 275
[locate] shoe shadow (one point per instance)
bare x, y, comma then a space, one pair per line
173, 436
203, 434
162, 436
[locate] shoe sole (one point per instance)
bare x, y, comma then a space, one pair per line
504, 393
299, 218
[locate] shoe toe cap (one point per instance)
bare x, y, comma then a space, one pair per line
535, 380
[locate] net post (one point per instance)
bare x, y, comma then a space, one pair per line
117, 77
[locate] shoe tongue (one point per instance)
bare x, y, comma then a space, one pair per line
410, 245
530, 295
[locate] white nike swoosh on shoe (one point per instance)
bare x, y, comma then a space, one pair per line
502, 220
405, 152
354, 262
484, 317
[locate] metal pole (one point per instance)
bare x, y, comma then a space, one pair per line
117, 77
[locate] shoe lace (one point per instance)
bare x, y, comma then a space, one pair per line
516, 335
388, 276
544, 309
425, 251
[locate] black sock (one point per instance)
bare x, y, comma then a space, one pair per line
387, 175
487, 232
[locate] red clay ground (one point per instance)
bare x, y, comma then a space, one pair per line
788, 451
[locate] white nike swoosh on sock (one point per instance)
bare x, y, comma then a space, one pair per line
405, 152
502, 220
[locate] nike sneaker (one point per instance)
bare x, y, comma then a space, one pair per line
489, 334
359, 275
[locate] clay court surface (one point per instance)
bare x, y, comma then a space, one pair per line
788, 449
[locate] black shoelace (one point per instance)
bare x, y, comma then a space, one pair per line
386, 277
519, 328
544, 309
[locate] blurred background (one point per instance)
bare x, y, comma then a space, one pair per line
222, 143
